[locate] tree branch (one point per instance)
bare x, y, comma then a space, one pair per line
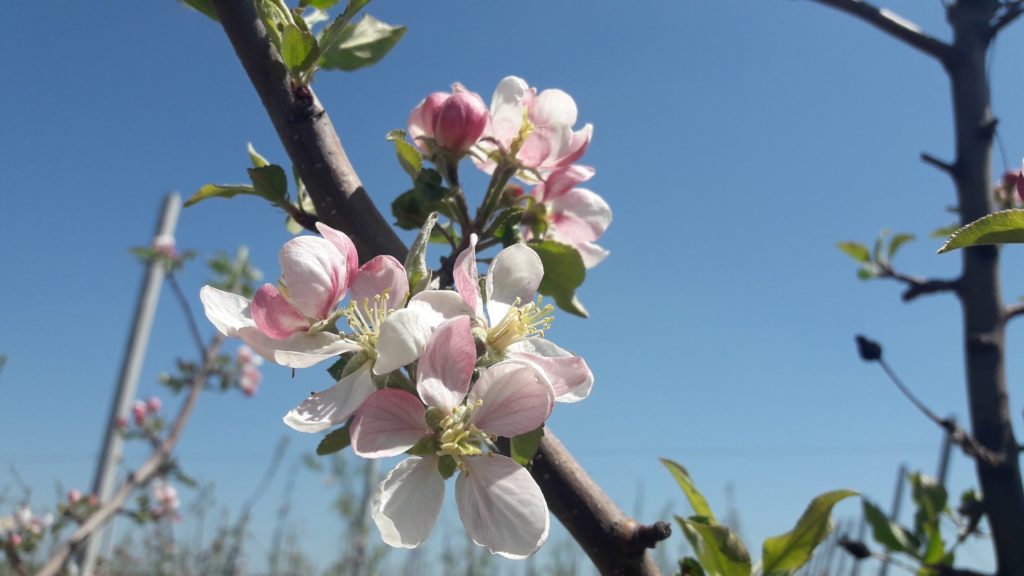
942, 165
143, 474
919, 286
893, 25
1012, 311
615, 542
1011, 11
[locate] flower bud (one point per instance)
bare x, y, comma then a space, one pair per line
74, 496
1020, 183
421, 120
139, 412
460, 121
154, 404
122, 423
15, 540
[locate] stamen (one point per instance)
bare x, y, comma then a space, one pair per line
520, 322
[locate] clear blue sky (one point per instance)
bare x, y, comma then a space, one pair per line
736, 142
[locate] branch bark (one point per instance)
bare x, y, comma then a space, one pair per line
615, 542
893, 25
143, 474
920, 286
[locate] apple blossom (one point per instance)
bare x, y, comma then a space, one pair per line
249, 375
500, 504
139, 412
533, 130
166, 499
15, 540
570, 215
453, 122
154, 404
74, 495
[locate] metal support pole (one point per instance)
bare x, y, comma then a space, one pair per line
127, 382
901, 479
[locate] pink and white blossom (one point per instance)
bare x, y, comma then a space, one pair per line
452, 122
572, 215
166, 500
535, 130
500, 504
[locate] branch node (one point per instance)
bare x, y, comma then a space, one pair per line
648, 535
940, 164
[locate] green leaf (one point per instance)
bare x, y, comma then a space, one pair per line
897, 241
697, 501
299, 49
887, 533
219, 191
944, 231
1006, 227
689, 566
855, 250
867, 272
204, 7
416, 261
335, 441
258, 161
358, 46
876, 252
408, 156
319, 4
786, 553
563, 274
720, 552
412, 209
524, 446
270, 182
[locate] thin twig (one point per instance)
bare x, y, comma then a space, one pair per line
1013, 311
871, 351
143, 474
893, 25
197, 337
919, 286
1012, 10
942, 165
14, 559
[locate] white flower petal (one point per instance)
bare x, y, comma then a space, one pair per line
515, 399
315, 272
444, 303
403, 337
516, 272
444, 371
553, 107
333, 406
304, 350
569, 375
507, 109
501, 506
228, 312
390, 422
406, 504
591, 253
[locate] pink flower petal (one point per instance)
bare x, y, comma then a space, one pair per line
561, 181
421, 121
390, 422
444, 372
345, 247
315, 273
501, 506
591, 253
580, 215
274, 315
553, 107
333, 406
516, 399
380, 274
580, 143
467, 278
569, 375
406, 504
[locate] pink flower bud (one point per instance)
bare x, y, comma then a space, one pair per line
15, 540
244, 355
74, 496
94, 500
460, 121
122, 422
1020, 183
421, 120
139, 412
164, 244
154, 404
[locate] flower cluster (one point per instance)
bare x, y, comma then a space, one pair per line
165, 500
248, 366
23, 527
532, 135
440, 374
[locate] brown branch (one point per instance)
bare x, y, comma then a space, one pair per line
615, 542
1013, 311
1012, 10
308, 136
919, 286
142, 475
942, 165
893, 25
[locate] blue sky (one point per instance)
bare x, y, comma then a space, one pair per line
736, 141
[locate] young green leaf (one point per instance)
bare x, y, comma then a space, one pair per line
887, 533
689, 566
897, 241
357, 46
408, 156
1006, 227
219, 191
335, 441
270, 182
855, 250
257, 159
697, 501
524, 446
320, 4
416, 261
563, 274
298, 49
786, 553
720, 552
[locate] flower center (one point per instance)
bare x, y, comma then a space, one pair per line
459, 436
519, 323
364, 319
